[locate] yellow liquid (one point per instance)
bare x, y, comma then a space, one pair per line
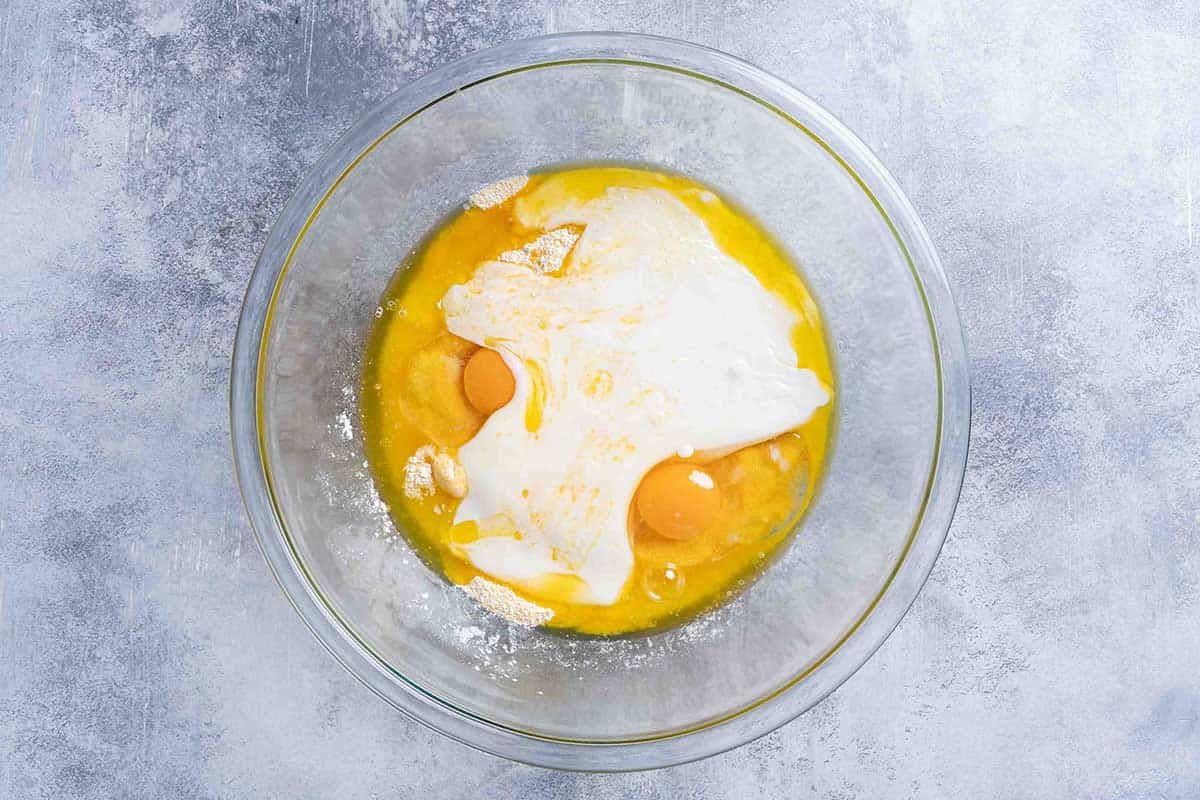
412, 396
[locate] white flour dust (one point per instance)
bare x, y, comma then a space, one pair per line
496, 193
501, 600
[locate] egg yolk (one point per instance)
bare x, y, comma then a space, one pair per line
488, 381
678, 500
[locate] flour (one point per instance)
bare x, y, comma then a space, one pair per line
504, 602
449, 475
345, 428
496, 193
428, 469
546, 253
418, 473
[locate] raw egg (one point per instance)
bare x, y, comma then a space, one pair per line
678, 500
488, 381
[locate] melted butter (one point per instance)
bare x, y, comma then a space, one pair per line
537, 397
410, 397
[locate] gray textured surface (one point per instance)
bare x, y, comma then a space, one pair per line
1054, 154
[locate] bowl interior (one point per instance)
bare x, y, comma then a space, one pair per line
888, 397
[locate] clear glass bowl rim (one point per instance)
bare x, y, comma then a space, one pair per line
807, 688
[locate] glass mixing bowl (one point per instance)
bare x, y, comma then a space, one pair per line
863, 549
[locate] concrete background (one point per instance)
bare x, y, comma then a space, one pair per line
1053, 150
